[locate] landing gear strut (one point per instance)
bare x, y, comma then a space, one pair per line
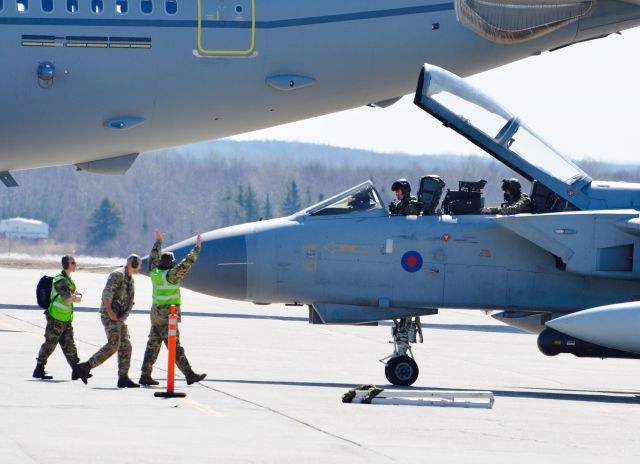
400, 368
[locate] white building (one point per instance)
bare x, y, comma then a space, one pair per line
24, 228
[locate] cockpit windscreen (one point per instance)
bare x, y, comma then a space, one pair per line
361, 198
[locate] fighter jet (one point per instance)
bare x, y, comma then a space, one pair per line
351, 262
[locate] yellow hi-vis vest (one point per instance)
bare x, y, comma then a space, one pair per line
58, 309
164, 293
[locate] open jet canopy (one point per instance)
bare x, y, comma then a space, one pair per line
497, 131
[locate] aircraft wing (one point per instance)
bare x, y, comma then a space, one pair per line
588, 243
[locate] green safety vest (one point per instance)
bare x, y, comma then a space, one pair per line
58, 309
164, 293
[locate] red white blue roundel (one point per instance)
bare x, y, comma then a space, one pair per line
411, 261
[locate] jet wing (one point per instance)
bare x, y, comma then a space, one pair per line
588, 243
497, 131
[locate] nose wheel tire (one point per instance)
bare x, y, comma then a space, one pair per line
401, 370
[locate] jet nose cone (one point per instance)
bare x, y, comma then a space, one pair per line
221, 268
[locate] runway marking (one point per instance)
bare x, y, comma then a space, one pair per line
202, 407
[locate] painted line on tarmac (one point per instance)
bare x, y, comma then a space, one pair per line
301, 422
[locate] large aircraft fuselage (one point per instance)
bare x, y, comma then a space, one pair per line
121, 83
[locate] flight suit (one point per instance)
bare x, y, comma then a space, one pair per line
521, 204
408, 206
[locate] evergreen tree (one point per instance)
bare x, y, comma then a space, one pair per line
251, 206
267, 211
105, 223
307, 198
291, 203
240, 206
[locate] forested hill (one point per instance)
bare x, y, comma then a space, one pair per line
201, 187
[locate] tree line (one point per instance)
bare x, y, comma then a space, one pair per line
224, 183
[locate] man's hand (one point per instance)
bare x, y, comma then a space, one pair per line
123, 317
199, 240
77, 297
158, 235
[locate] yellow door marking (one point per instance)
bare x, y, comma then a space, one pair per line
248, 51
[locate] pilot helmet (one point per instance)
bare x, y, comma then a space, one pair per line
402, 184
167, 260
514, 188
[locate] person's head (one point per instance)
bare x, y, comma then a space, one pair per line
167, 260
511, 188
402, 188
134, 263
69, 263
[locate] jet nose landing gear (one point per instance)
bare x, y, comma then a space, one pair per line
400, 367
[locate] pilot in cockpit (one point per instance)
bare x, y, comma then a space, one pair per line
516, 202
405, 204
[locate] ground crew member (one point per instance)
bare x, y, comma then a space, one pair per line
405, 204
117, 302
59, 318
516, 202
166, 277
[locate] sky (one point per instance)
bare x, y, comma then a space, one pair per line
584, 100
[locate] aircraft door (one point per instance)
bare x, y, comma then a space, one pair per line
226, 27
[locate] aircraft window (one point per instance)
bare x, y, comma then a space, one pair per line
537, 152
359, 199
22, 6
72, 6
146, 6
47, 6
1, 5
122, 6
97, 6
171, 7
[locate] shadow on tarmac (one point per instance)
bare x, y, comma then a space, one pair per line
531, 393
488, 328
85, 309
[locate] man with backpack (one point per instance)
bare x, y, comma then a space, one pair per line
59, 318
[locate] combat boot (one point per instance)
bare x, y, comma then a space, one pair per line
75, 374
146, 380
81, 371
193, 377
39, 373
126, 382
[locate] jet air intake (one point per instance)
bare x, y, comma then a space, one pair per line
515, 21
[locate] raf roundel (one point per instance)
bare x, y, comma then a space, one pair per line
411, 261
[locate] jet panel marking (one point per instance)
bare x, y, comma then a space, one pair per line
31, 40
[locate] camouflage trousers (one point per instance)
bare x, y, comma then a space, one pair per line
117, 340
157, 335
58, 332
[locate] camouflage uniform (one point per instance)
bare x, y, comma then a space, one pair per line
521, 204
120, 291
160, 313
59, 331
408, 206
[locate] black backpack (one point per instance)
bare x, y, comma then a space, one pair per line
43, 291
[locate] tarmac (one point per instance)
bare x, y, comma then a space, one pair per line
274, 386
